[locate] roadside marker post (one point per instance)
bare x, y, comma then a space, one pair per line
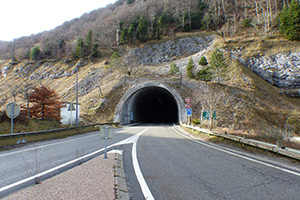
12, 111
106, 132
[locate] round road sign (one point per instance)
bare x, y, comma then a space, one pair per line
12, 110
188, 105
188, 100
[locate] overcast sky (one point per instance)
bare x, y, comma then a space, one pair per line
25, 17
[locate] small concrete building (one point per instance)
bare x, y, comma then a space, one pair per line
68, 113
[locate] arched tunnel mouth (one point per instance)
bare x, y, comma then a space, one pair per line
154, 105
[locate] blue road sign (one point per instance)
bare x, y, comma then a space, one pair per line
189, 112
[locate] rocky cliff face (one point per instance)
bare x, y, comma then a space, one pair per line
281, 70
167, 51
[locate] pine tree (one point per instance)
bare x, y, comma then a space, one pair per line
95, 51
174, 68
217, 62
189, 68
290, 21
142, 29
79, 48
203, 61
124, 36
35, 53
132, 32
89, 42
45, 103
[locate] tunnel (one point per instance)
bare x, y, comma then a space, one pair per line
150, 103
154, 105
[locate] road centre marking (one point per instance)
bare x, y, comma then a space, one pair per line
237, 155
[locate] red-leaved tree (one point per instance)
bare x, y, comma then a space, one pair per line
45, 103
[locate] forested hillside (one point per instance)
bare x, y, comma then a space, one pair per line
137, 21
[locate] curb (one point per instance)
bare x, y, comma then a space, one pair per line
121, 189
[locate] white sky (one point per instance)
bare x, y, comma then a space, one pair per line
25, 17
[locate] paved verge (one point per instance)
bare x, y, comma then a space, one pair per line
91, 180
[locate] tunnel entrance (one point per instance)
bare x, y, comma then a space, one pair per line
155, 105
150, 103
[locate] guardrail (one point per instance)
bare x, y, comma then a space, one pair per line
17, 135
289, 152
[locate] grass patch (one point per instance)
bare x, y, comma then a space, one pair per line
12, 142
31, 125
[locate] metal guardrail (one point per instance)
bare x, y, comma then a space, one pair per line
16, 135
289, 152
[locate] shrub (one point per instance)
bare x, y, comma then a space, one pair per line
203, 61
204, 75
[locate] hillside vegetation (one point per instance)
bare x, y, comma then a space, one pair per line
138, 21
219, 49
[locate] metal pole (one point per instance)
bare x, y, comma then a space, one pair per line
12, 119
77, 94
106, 137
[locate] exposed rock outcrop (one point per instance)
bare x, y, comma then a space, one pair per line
167, 51
281, 70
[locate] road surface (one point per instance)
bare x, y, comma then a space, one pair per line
175, 167
161, 162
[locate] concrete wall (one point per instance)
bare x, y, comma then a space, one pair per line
69, 117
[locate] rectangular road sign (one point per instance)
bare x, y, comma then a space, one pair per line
189, 112
106, 132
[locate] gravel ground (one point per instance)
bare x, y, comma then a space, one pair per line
91, 180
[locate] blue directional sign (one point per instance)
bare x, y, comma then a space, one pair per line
189, 112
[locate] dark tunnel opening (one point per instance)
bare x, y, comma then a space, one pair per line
156, 105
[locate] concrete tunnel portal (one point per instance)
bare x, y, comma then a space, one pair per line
150, 103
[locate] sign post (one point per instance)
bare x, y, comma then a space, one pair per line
106, 132
12, 111
188, 107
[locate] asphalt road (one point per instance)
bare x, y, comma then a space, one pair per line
175, 167
21, 163
171, 165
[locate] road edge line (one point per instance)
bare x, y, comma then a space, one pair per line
139, 175
240, 156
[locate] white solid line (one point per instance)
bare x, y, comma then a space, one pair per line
50, 170
125, 141
237, 155
139, 175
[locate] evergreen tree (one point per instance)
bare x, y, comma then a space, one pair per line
203, 61
89, 42
35, 53
155, 31
124, 36
217, 62
290, 21
174, 68
142, 29
162, 23
95, 51
204, 74
79, 48
189, 68
132, 32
